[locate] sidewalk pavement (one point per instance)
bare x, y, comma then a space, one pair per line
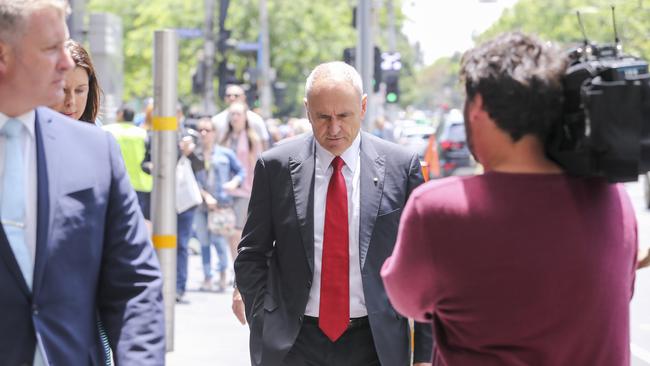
206, 333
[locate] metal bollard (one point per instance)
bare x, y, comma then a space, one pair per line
164, 155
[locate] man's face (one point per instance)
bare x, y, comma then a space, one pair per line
34, 66
234, 94
335, 110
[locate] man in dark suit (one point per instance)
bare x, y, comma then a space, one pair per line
322, 219
74, 249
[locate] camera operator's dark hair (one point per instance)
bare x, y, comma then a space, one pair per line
520, 80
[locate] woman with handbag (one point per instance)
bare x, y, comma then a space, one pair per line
245, 142
215, 219
188, 195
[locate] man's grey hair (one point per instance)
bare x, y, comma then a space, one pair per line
336, 70
14, 13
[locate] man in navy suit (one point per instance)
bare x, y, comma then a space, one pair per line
74, 249
322, 219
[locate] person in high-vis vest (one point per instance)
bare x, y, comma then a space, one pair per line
132, 141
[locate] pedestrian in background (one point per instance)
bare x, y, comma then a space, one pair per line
188, 198
188, 164
133, 140
244, 141
322, 219
384, 129
81, 90
235, 93
222, 174
81, 102
73, 242
523, 258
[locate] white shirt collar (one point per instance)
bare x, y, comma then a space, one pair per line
28, 119
349, 156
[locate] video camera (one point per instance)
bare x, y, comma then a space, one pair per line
605, 130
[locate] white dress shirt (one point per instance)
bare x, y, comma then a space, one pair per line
351, 172
29, 150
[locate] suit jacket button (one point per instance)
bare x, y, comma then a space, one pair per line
308, 284
35, 309
300, 318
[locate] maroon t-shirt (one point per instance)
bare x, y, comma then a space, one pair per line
518, 269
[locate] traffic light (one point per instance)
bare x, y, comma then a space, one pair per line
391, 64
349, 56
224, 42
376, 75
198, 78
279, 94
392, 87
227, 76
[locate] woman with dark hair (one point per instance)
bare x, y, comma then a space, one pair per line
81, 88
245, 142
81, 102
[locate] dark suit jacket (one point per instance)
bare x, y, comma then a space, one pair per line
274, 268
93, 258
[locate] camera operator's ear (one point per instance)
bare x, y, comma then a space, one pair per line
475, 110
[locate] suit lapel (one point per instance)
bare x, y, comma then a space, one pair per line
7, 255
371, 186
44, 137
302, 178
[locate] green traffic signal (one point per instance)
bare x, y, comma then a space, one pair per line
391, 97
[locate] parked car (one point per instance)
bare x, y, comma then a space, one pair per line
415, 138
419, 138
455, 157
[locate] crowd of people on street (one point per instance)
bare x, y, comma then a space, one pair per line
323, 229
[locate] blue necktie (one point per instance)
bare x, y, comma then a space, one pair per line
12, 205
13, 197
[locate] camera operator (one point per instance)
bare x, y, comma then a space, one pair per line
523, 265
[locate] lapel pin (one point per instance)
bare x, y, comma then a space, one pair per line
375, 180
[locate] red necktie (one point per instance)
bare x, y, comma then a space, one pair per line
334, 311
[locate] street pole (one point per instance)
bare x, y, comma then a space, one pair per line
164, 150
76, 24
392, 47
364, 56
105, 37
209, 107
263, 80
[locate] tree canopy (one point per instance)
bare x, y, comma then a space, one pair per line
302, 35
557, 21
554, 21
